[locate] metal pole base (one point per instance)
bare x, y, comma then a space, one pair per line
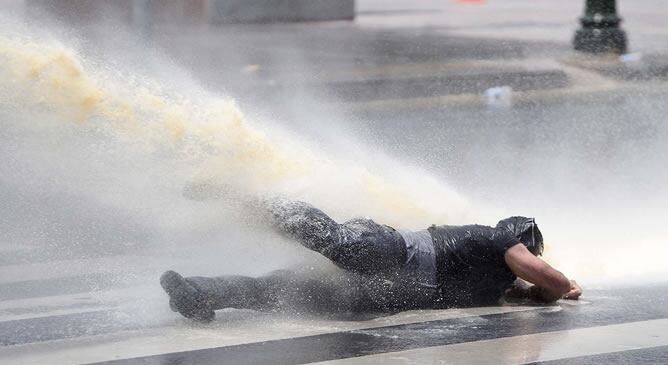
600, 40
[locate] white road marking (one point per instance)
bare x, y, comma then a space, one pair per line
16, 309
178, 335
124, 265
530, 348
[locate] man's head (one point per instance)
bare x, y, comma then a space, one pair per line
526, 230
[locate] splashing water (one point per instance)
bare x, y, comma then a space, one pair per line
135, 143
210, 136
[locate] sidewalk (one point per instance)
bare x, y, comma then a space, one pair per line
537, 20
403, 53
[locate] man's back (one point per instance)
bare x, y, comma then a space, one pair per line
470, 263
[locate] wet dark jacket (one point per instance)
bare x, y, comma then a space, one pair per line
470, 263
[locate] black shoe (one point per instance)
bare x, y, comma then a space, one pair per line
172, 306
185, 298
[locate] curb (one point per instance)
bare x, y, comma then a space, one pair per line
519, 98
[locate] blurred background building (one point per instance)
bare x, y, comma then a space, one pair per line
201, 11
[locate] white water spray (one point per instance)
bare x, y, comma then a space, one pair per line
72, 125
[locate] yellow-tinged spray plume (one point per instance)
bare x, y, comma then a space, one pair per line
211, 134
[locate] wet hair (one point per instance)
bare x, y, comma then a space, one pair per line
526, 230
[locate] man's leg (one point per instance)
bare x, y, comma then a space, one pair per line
358, 245
282, 290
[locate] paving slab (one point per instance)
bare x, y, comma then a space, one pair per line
629, 67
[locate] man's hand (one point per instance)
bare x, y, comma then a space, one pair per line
575, 291
524, 290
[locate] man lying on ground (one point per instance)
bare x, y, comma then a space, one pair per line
384, 270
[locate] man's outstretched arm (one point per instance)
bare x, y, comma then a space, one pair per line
549, 284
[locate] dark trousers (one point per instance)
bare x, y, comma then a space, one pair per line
359, 245
371, 255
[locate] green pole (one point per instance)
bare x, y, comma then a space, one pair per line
600, 31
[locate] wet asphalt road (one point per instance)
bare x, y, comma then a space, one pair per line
595, 156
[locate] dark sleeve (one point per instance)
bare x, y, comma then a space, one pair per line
503, 240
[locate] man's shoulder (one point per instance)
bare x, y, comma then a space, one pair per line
470, 228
